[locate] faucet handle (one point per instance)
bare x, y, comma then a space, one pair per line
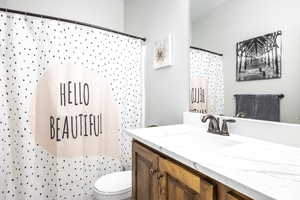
224, 130
229, 120
241, 115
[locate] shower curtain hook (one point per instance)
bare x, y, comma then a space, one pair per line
6, 8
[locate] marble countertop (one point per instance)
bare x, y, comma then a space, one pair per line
259, 169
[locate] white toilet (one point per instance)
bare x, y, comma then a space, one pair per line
114, 186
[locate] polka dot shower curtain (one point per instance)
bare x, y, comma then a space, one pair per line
209, 67
67, 92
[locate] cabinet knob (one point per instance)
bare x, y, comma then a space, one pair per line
160, 176
152, 171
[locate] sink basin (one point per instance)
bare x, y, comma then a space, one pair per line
196, 141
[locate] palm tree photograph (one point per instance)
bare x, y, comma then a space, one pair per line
259, 58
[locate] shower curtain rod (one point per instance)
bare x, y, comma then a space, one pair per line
70, 21
197, 48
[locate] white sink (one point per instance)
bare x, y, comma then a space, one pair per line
198, 141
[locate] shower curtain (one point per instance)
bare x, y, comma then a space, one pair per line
67, 93
209, 67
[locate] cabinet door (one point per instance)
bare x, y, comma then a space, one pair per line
177, 183
234, 196
144, 179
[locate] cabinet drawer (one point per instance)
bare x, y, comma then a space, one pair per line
186, 177
204, 189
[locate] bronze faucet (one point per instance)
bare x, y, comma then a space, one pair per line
214, 127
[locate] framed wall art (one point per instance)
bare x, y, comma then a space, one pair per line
259, 58
163, 52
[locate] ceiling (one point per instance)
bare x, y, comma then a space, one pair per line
199, 8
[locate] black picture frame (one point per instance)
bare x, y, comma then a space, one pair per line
259, 58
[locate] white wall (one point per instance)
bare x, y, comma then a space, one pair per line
106, 13
166, 89
238, 20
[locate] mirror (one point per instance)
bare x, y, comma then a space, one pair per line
245, 59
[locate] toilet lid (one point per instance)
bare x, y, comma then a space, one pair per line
114, 183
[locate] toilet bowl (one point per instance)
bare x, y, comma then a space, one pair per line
114, 186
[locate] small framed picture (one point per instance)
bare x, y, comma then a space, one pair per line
163, 52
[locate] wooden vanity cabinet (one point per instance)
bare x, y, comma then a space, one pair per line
157, 177
144, 169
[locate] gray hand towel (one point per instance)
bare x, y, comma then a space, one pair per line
263, 107
245, 104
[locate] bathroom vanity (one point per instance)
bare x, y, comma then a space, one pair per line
185, 162
158, 176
